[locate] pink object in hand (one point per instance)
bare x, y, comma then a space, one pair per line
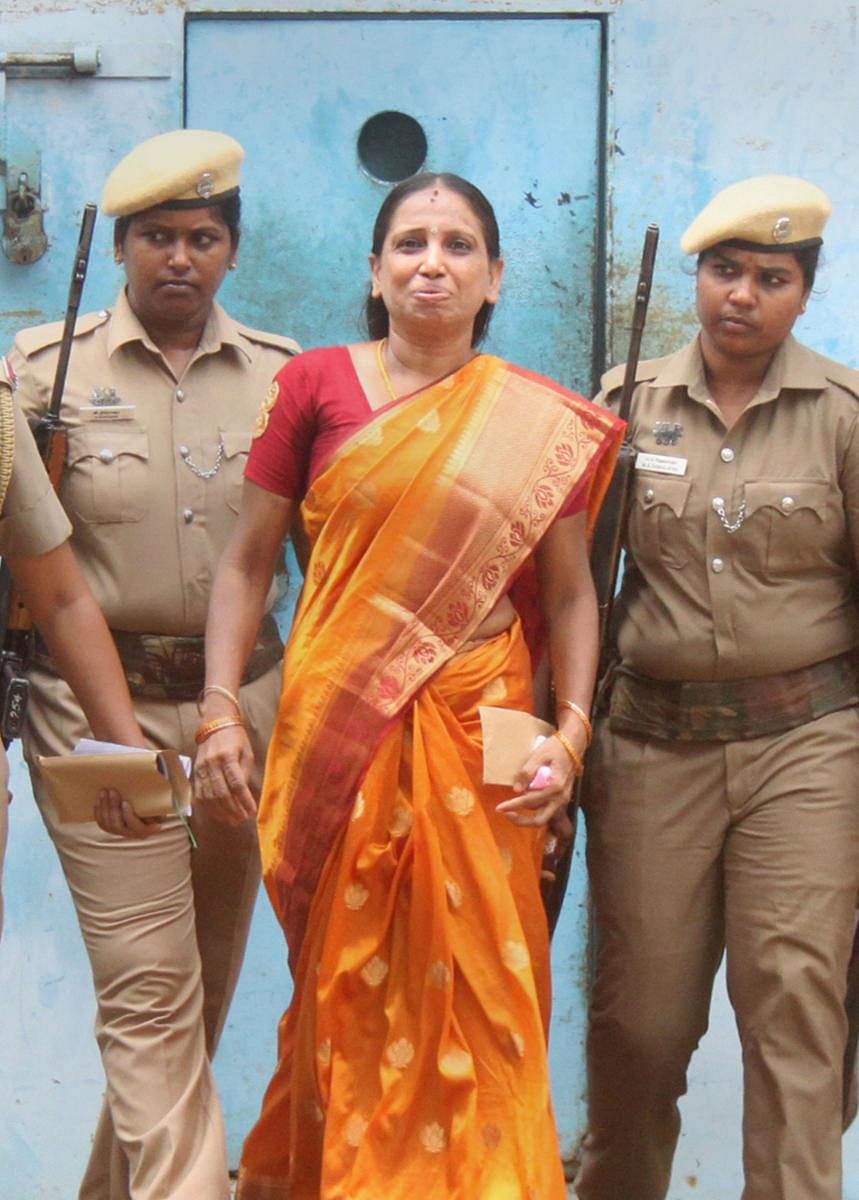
542, 778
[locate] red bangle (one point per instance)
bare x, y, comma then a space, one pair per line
582, 715
210, 727
577, 760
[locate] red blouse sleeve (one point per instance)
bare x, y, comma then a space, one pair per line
280, 455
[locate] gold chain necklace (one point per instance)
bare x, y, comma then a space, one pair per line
380, 347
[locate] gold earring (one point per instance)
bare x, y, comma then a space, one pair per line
232, 266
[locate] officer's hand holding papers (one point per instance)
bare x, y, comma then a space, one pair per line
153, 782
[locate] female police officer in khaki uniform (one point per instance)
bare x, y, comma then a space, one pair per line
723, 809
34, 533
160, 403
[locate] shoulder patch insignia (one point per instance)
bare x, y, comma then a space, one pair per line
7, 374
271, 397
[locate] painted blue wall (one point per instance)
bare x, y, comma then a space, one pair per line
701, 93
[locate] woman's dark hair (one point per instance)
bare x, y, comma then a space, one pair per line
807, 258
229, 210
375, 313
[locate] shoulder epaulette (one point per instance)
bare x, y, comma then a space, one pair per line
842, 376
265, 338
647, 368
40, 337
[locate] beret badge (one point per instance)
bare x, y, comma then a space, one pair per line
206, 185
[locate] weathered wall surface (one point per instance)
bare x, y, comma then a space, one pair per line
701, 93
711, 91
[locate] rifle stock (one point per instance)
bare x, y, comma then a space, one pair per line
608, 538
16, 651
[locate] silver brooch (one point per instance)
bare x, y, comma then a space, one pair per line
105, 395
667, 433
206, 186
781, 229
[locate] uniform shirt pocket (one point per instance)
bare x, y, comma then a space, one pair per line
788, 523
237, 444
107, 480
657, 532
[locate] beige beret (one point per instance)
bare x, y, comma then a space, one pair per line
768, 212
188, 168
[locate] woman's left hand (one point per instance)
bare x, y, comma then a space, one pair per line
537, 805
115, 815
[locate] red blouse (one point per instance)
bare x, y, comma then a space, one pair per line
320, 404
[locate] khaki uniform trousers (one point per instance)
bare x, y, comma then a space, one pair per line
694, 848
165, 928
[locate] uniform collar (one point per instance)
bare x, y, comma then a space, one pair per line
793, 366
219, 331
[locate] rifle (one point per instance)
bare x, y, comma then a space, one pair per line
609, 535
16, 652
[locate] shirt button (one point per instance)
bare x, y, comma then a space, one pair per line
180, 395
726, 454
788, 504
188, 516
106, 455
648, 496
184, 451
717, 565
102, 312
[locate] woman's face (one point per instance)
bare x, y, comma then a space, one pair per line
434, 269
174, 264
748, 301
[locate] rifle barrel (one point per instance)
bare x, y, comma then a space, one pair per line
76, 288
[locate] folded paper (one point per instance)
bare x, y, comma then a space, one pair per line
152, 781
509, 736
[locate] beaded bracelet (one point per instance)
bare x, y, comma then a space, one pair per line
221, 691
578, 762
206, 730
581, 714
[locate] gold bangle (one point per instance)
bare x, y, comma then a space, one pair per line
221, 691
578, 762
209, 727
581, 714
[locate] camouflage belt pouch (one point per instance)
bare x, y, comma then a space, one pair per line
733, 709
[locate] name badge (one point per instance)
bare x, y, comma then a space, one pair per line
106, 412
661, 464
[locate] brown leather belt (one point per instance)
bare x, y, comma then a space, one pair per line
732, 709
161, 666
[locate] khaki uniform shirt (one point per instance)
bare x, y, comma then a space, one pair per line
32, 520
701, 601
155, 464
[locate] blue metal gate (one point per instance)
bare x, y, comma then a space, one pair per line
511, 103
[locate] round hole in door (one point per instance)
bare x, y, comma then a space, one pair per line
391, 146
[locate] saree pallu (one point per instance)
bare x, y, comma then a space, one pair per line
380, 845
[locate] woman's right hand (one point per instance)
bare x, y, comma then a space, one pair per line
222, 769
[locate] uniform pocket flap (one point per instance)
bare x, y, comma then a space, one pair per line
787, 496
653, 490
107, 443
235, 441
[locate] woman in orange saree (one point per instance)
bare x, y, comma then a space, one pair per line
413, 1054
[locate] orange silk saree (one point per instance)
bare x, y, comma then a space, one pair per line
413, 1055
